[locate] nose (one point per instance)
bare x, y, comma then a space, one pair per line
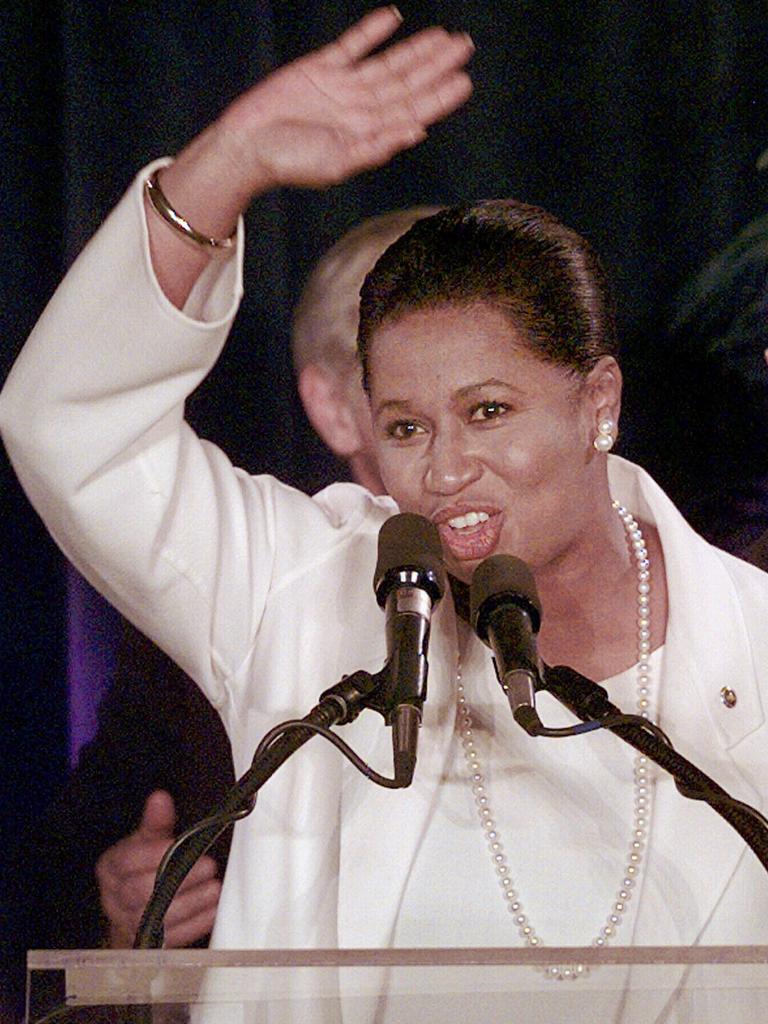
450, 464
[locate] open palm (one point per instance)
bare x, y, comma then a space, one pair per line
339, 110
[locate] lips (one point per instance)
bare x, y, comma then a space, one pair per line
470, 542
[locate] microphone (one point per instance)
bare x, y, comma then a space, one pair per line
408, 582
505, 613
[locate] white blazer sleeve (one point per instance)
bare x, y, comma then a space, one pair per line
92, 417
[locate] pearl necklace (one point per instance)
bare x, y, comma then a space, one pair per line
642, 788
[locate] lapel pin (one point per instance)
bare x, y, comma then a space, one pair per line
728, 697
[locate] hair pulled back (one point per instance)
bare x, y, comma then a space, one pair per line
515, 257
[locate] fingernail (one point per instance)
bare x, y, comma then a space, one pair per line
468, 39
396, 11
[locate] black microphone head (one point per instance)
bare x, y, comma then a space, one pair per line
410, 552
498, 579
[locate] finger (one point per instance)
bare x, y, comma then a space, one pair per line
122, 924
405, 119
123, 918
132, 856
445, 97
433, 46
393, 84
119, 937
113, 911
198, 900
159, 817
363, 37
203, 871
130, 895
124, 895
376, 149
191, 930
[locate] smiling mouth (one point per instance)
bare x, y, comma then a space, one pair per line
472, 535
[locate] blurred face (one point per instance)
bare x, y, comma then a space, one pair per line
478, 434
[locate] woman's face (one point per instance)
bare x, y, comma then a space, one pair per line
478, 434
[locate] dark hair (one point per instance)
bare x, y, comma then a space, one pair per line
518, 258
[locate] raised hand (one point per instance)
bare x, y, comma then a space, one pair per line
126, 874
314, 122
340, 110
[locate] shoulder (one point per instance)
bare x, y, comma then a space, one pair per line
339, 507
750, 581
351, 503
310, 531
685, 550
757, 552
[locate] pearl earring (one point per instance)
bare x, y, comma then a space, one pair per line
605, 439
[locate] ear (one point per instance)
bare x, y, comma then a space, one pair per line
602, 390
324, 398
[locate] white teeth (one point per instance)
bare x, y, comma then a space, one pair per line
469, 519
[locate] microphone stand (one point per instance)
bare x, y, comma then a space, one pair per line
338, 705
590, 703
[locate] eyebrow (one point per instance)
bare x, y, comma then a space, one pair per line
401, 405
492, 382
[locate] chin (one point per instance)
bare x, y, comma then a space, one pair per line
462, 569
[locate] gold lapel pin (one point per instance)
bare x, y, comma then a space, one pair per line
728, 697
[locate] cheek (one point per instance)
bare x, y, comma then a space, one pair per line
516, 462
401, 475
547, 450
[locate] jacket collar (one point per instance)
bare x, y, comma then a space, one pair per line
707, 637
694, 852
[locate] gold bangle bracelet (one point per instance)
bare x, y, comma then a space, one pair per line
217, 248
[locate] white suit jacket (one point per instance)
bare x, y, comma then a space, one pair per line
264, 596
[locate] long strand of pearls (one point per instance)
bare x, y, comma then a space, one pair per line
642, 788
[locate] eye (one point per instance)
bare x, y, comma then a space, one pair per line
484, 411
404, 430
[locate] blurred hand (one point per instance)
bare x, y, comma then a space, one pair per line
339, 111
126, 874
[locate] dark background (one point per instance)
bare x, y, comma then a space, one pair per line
638, 123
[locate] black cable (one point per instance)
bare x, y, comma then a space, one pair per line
220, 821
238, 803
337, 741
589, 702
529, 720
273, 750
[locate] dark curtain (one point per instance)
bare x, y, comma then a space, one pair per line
637, 123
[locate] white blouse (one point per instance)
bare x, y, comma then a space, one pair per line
566, 888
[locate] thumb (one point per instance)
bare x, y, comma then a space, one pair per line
159, 817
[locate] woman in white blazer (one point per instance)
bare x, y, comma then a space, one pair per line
489, 356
